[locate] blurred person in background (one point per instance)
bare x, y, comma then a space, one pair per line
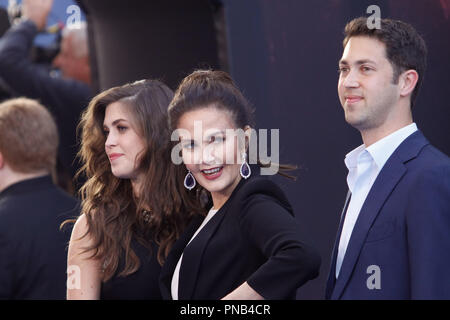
65, 95
33, 250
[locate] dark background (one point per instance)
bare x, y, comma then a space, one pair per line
283, 54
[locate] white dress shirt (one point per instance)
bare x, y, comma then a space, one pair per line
364, 165
176, 273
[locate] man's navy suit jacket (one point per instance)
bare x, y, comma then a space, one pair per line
401, 239
33, 249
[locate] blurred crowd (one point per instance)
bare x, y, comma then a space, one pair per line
43, 93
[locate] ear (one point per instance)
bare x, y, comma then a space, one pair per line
248, 134
407, 82
2, 161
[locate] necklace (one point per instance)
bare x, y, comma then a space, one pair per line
147, 215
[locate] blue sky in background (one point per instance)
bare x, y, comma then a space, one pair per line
58, 14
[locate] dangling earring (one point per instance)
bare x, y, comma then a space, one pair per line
189, 181
245, 168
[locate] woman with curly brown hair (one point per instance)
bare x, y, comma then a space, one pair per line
133, 206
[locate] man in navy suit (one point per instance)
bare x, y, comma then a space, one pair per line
33, 251
394, 236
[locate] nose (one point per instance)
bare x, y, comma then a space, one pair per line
212, 154
208, 155
111, 140
351, 80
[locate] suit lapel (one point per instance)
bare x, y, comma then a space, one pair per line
387, 179
385, 182
192, 258
174, 256
332, 275
194, 252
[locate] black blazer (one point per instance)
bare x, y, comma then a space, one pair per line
33, 250
254, 237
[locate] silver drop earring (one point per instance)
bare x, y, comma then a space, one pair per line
189, 181
244, 170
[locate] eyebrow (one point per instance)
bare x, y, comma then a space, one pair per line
114, 122
357, 62
215, 133
206, 138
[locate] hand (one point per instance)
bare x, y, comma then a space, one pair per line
243, 292
37, 11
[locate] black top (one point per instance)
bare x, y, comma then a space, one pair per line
254, 237
143, 284
33, 250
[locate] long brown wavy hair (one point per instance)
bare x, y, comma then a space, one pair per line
114, 214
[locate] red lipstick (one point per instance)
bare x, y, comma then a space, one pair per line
114, 156
212, 173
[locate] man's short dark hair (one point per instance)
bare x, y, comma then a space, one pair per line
405, 48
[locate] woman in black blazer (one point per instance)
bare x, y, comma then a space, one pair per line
248, 246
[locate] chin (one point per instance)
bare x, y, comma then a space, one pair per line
356, 124
210, 186
213, 186
121, 175
354, 121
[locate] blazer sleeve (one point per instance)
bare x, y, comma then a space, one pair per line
273, 229
428, 232
6, 268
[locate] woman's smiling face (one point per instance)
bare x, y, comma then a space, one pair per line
211, 149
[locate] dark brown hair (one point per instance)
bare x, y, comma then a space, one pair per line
207, 88
405, 48
28, 136
114, 214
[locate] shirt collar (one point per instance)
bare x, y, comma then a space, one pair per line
384, 148
351, 159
